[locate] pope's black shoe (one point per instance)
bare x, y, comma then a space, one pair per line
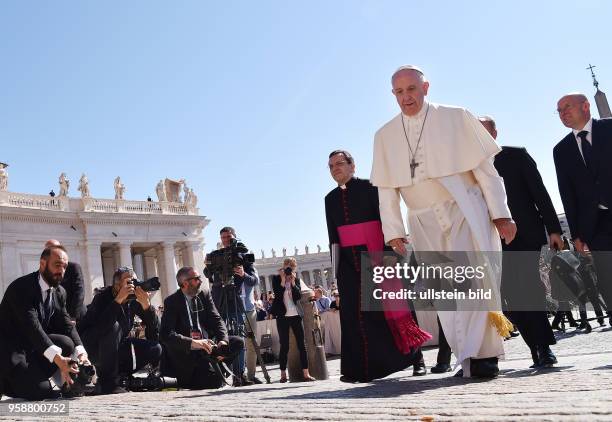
484, 368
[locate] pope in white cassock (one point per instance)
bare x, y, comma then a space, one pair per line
439, 160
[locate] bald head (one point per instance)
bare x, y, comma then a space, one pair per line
52, 242
574, 110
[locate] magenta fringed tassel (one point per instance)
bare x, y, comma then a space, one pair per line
406, 333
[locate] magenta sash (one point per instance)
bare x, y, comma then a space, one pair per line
406, 333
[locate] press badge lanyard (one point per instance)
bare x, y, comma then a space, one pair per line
197, 327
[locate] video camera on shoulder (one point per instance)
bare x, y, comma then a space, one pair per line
220, 264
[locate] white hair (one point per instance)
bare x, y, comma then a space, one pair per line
487, 118
409, 67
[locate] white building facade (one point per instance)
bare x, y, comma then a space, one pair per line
155, 238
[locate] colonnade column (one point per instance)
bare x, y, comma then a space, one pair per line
95, 272
169, 268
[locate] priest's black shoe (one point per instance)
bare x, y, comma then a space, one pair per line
484, 368
547, 357
349, 380
585, 326
440, 368
458, 374
419, 369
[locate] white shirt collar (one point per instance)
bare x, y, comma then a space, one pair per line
588, 127
43, 286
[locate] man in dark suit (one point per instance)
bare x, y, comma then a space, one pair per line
106, 330
74, 286
582, 160
193, 332
531, 207
38, 337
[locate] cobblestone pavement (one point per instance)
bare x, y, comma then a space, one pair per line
577, 389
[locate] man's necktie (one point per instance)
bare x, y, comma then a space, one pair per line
587, 148
47, 307
194, 313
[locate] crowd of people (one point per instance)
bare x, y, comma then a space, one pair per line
464, 194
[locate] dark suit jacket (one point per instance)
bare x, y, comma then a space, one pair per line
21, 322
176, 330
528, 199
278, 306
583, 190
103, 312
73, 284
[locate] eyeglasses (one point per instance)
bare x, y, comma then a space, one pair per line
198, 277
566, 107
337, 164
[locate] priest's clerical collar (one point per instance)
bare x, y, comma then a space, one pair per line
344, 186
420, 115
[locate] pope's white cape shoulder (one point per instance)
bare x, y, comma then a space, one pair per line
454, 141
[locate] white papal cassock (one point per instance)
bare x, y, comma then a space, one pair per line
452, 199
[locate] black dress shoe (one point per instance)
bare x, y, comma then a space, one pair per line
348, 380
601, 321
547, 357
458, 374
419, 369
255, 380
535, 357
484, 368
440, 368
585, 326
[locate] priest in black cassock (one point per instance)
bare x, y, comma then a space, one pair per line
374, 345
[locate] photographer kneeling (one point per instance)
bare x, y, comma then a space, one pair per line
289, 313
189, 323
106, 327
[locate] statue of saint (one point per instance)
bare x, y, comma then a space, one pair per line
295, 250
193, 197
262, 254
64, 185
3, 177
306, 249
284, 251
119, 188
273, 253
84, 186
161, 193
319, 248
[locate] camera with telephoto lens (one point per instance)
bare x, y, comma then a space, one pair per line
288, 271
151, 382
150, 285
220, 264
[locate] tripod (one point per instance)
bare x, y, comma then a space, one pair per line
235, 326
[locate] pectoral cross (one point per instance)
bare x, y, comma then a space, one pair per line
413, 166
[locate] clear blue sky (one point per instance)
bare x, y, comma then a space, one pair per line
246, 99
